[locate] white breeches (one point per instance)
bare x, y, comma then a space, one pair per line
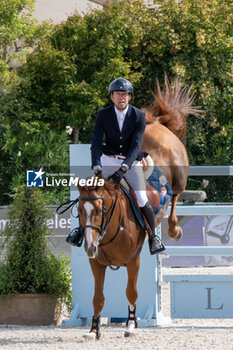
134, 176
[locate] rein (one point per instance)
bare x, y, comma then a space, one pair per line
70, 206
112, 239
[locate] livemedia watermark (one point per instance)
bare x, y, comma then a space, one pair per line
38, 178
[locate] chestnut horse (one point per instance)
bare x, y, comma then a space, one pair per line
166, 126
112, 234
112, 237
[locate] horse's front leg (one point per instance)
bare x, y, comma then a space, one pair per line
132, 295
98, 299
174, 231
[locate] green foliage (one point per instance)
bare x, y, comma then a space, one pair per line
27, 146
4, 73
14, 25
19, 32
28, 266
24, 144
18, 26
219, 188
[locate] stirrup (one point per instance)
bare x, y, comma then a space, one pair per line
158, 244
75, 237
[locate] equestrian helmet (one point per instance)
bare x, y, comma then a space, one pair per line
121, 84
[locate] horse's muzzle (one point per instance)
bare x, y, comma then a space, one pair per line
91, 251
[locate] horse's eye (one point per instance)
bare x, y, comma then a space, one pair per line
98, 211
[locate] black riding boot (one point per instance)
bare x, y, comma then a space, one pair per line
155, 243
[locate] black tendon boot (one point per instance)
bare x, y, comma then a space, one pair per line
155, 243
95, 327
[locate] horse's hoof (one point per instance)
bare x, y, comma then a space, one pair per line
129, 334
178, 236
91, 336
130, 331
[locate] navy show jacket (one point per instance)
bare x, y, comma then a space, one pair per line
126, 142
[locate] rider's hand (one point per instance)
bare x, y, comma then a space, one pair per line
97, 170
118, 175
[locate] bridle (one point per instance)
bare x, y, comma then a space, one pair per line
103, 226
87, 199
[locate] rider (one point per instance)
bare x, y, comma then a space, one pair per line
123, 126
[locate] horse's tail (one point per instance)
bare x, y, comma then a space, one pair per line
171, 107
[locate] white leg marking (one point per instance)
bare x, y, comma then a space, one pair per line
131, 307
90, 336
88, 207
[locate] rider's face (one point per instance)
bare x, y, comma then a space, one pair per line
120, 99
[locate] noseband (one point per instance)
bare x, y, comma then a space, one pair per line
103, 227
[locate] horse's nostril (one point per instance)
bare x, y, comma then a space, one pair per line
91, 251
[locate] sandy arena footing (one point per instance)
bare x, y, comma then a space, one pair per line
180, 334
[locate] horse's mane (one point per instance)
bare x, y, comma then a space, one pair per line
171, 107
112, 189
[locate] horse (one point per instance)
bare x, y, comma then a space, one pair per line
112, 235
166, 127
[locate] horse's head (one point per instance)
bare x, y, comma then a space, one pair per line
91, 211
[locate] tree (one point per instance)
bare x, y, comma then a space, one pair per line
24, 142
51, 87
18, 32
28, 265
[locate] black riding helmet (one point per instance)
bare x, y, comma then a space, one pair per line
121, 84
